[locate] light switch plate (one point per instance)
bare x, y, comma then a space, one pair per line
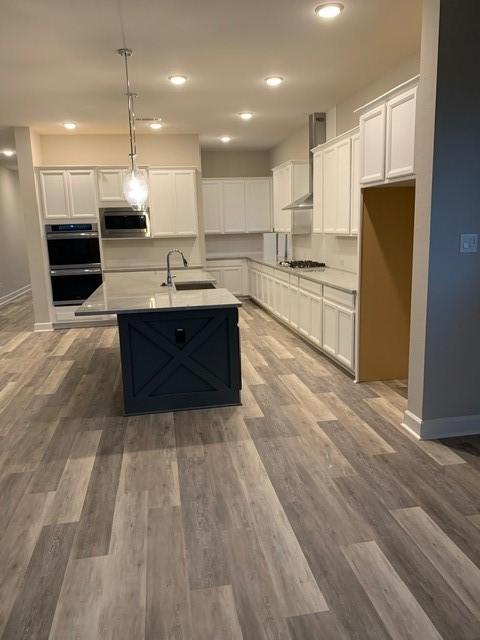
469, 243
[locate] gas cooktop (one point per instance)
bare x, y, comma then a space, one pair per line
309, 265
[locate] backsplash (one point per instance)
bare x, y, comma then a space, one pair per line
339, 252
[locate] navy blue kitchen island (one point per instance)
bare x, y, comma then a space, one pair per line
179, 349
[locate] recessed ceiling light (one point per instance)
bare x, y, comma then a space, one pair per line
177, 79
246, 115
274, 81
156, 125
329, 10
69, 125
225, 139
8, 152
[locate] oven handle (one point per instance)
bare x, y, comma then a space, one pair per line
75, 236
74, 272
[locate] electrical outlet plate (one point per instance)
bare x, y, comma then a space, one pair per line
469, 243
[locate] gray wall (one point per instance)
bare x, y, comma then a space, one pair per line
450, 314
14, 273
27, 145
235, 164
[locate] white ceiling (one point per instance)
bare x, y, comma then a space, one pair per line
58, 62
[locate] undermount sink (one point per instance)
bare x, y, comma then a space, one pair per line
189, 286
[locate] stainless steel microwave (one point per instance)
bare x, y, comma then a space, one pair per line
124, 222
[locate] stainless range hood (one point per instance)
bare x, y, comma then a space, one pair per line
317, 134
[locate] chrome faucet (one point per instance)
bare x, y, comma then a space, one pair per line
169, 273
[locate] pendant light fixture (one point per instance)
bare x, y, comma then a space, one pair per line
135, 186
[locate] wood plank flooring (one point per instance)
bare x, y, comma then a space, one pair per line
306, 513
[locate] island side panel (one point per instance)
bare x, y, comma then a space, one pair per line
175, 360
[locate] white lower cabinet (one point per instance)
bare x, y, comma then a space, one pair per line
328, 322
233, 279
316, 306
230, 274
304, 312
339, 332
294, 315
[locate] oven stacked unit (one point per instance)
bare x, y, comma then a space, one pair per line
74, 259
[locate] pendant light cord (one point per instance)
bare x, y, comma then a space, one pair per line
131, 110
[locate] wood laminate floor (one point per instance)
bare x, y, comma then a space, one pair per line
307, 513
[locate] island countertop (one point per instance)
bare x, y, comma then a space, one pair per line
140, 291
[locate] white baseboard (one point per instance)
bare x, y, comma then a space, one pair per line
9, 297
441, 427
43, 326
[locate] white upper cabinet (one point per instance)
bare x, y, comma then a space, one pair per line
387, 136
237, 205
343, 186
336, 186
258, 205
290, 181
356, 197
83, 193
54, 189
401, 135
330, 189
186, 211
173, 202
234, 206
372, 149
212, 206
318, 192
110, 185
68, 193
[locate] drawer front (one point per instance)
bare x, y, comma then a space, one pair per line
312, 287
340, 297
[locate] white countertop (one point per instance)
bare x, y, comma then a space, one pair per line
140, 291
146, 267
344, 280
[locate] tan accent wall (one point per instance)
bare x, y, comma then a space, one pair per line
385, 282
294, 147
347, 119
105, 150
232, 164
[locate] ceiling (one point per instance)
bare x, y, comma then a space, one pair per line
59, 62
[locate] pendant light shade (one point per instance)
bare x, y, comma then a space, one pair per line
135, 185
135, 189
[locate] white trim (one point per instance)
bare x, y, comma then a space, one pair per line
383, 98
286, 163
43, 326
441, 427
341, 136
9, 297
